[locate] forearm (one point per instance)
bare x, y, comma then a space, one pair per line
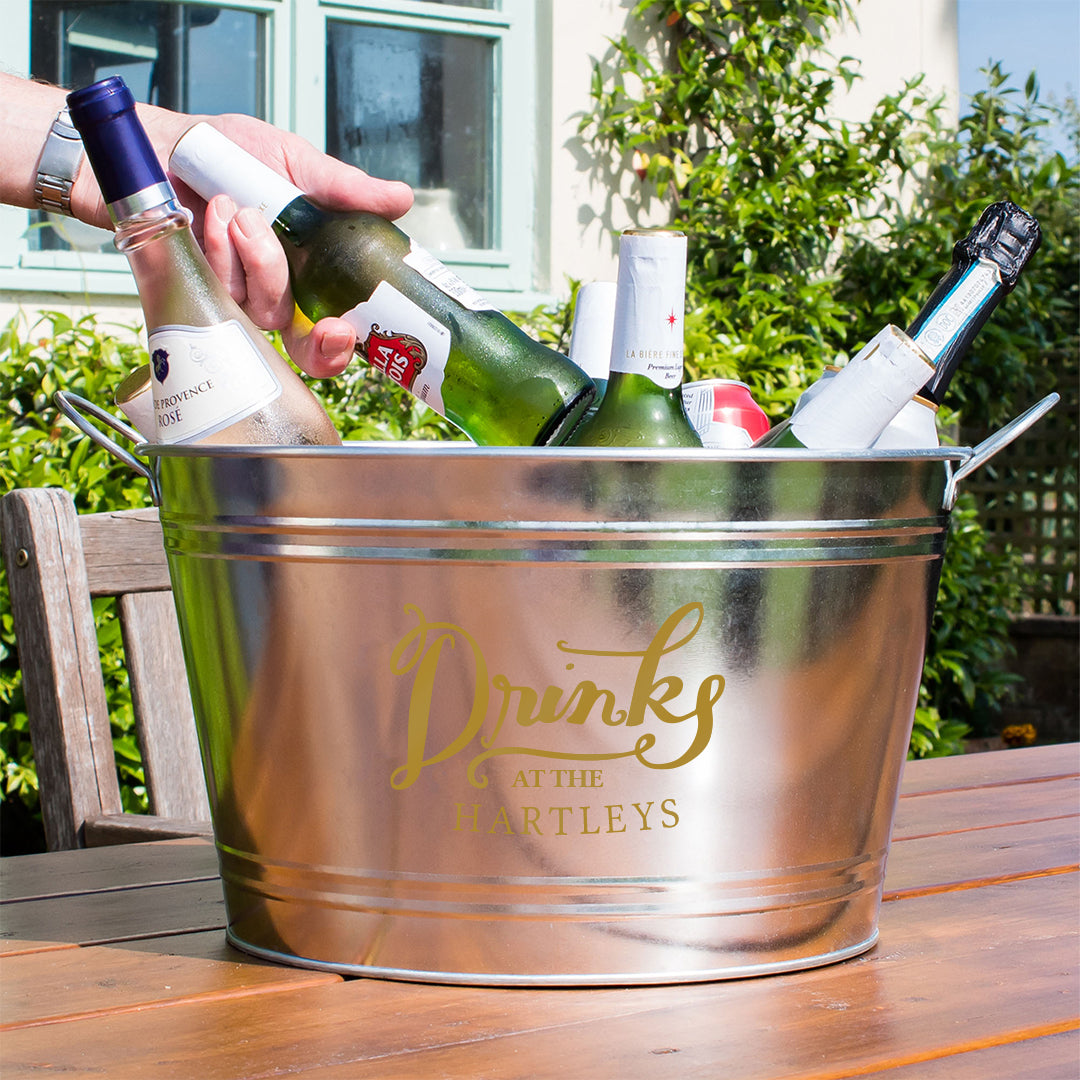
27, 110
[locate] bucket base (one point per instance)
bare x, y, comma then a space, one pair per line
466, 978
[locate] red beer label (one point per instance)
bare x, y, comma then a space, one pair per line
399, 356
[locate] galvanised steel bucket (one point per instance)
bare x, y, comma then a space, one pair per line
554, 717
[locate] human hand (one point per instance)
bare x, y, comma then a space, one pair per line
244, 252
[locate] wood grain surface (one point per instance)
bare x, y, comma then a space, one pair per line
114, 964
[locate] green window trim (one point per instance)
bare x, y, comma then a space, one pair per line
295, 79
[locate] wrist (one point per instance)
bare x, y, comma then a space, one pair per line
58, 165
164, 127
27, 111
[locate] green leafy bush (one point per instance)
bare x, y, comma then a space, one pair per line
38, 357
965, 679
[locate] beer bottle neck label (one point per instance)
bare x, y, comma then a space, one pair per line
649, 307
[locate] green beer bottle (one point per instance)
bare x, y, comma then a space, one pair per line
415, 320
642, 405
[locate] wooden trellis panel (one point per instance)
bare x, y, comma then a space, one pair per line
1028, 497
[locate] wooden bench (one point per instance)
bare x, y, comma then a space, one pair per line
57, 561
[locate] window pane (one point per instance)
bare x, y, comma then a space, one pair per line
182, 56
414, 106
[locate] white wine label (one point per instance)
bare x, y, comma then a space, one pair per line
974, 288
402, 341
205, 378
443, 278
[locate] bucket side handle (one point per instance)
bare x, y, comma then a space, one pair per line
998, 441
77, 408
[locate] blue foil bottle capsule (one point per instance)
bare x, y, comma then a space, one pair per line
128, 171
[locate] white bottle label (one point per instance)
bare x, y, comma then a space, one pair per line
648, 333
209, 163
205, 378
855, 406
913, 428
404, 342
442, 277
594, 325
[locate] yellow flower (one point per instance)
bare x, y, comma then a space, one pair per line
1019, 735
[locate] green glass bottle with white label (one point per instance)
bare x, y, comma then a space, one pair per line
642, 405
415, 320
215, 377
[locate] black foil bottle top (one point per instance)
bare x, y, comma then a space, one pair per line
1006, 236
116, 143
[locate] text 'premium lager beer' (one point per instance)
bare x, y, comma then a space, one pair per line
416, 321
643, 405
215, 377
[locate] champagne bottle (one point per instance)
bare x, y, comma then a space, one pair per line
643, 405
215, 376
856, 404
986, 266
415, 320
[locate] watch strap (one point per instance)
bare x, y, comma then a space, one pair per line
58, 166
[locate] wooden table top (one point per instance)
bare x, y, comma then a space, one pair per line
113, 963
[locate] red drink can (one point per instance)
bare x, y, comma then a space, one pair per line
724, 414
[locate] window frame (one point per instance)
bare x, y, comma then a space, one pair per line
295, 78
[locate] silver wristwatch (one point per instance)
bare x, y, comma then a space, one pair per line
58, 166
